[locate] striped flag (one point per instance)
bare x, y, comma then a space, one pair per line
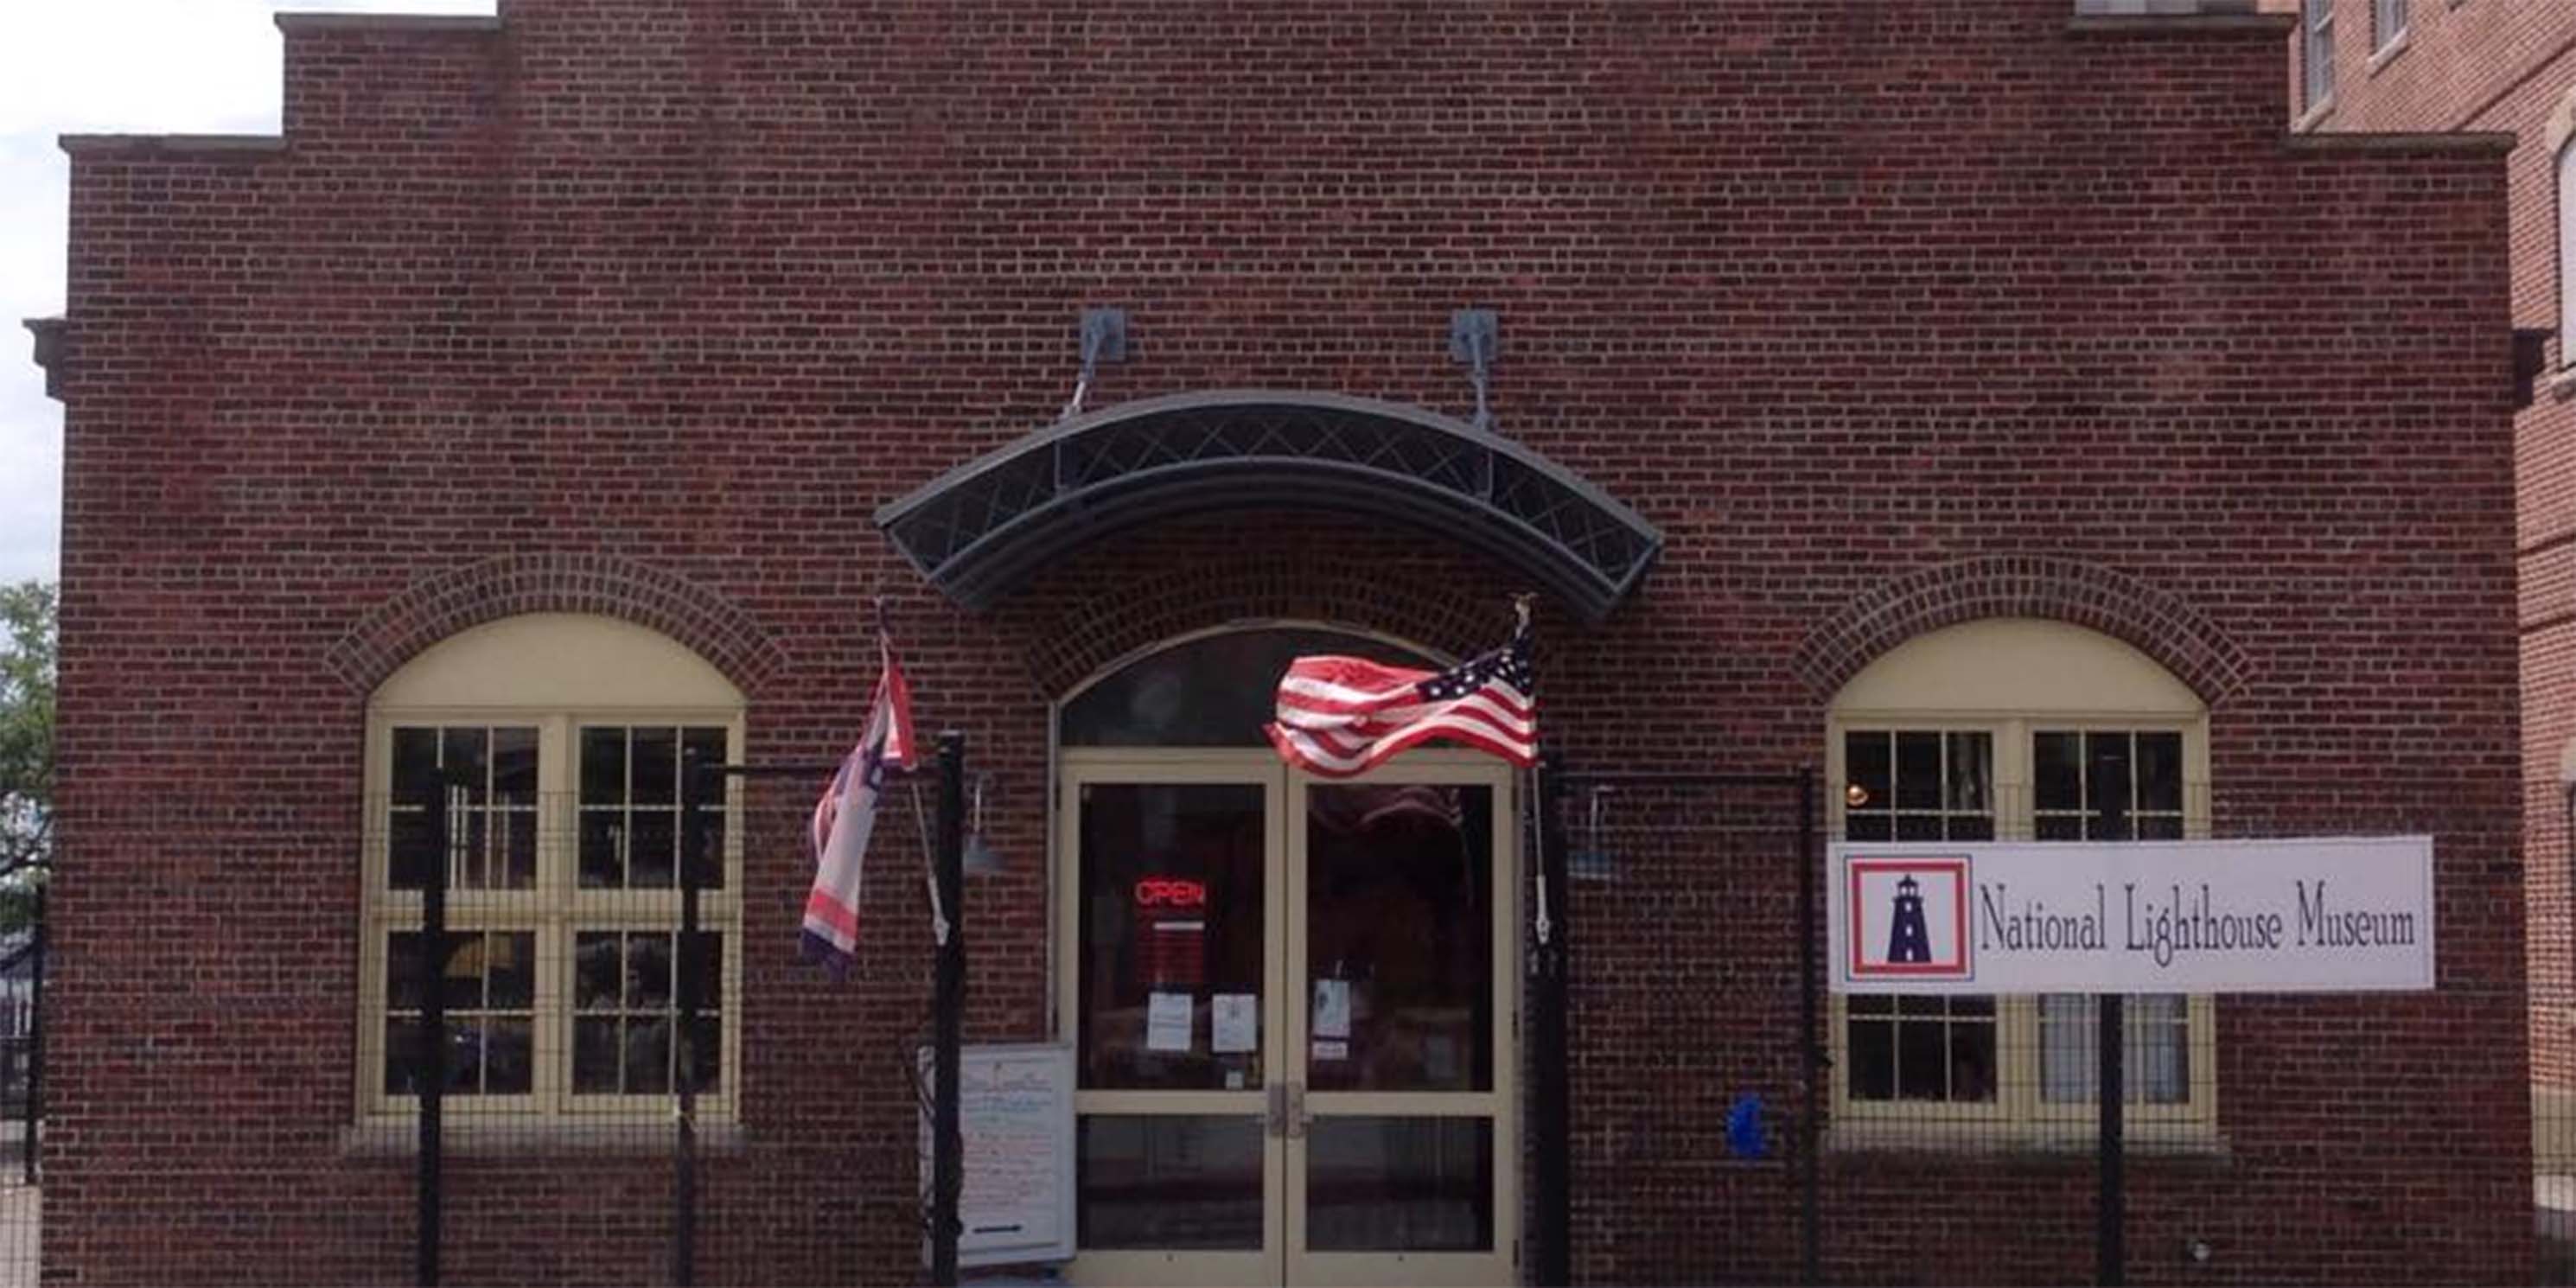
1340, 716
848, 811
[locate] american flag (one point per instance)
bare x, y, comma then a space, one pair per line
1340, 716
847, 813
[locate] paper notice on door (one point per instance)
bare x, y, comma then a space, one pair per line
1167, 1021
1237, 1022
1332, 1050
1332, 1008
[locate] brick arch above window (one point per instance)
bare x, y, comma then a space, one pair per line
437, 607
1072, 641
2114, 603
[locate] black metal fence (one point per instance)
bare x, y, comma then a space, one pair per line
1692, 926
557, 980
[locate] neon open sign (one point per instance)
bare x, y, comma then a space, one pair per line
1170, 892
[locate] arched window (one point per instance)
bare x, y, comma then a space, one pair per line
567, 736
2015, 729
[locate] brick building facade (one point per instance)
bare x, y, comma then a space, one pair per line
625, 319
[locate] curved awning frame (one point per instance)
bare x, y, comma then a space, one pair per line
983, 528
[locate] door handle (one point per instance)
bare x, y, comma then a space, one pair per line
1274, 1116
1297, 1115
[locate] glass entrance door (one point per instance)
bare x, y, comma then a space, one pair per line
1291, 1005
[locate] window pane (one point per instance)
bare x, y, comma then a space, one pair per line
510, 977
1867, 827
508, 1069
1867, 763
1922, 1061
514, 766
404, 990
648, 1056
599, 975
656, 766
2057, 766
463, 977
709, 1063
1873, 1059
402, 1056
1169, 1181
1170, 902
2107, 785
464, 751
2160, 772
648, 972
710, 963
595, 1054
652, 850
603, 835
1400, 902
603, 766
415, 764
2156, 1049
1971, 760
518, 855
705, 745
1400, 1185
1918, 771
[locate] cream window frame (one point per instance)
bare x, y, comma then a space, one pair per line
2074, 680
556, 908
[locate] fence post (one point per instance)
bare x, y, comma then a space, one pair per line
684, 1047
2112, 1253
431, 1082
1551, 1104
1811, 1056
34, 1108
948, 1148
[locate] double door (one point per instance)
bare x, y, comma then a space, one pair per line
1293, 1012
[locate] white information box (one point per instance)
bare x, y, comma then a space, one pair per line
1016, 1115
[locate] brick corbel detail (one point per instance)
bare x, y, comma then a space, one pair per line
2163, 627
436, 607
1068, 644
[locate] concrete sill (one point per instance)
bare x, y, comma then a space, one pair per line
2388, 53
2563, 385
2315, 115
2068, 1142
504, 1136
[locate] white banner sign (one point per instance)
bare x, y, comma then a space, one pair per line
2297, 916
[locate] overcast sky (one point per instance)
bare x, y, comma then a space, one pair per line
106, 67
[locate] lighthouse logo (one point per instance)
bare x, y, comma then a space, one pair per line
1909, 917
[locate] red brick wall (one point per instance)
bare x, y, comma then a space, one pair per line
1835, 294
2486, 65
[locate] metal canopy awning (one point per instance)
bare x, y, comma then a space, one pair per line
981, 529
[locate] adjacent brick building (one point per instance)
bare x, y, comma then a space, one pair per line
2507, 69
532, 406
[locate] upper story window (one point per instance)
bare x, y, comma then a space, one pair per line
2316, 49
2566, 252
2015, 730
2387, 21
563, 740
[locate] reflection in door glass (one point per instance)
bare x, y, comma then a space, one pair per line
1399, 940
1171, 936
1400, 1185
1169, 1182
